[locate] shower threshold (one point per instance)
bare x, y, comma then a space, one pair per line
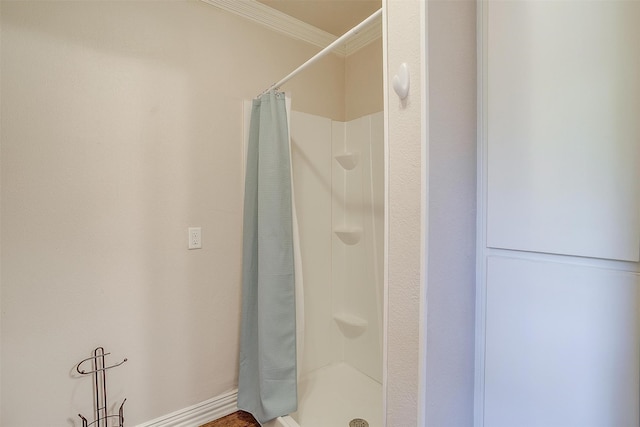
334, 396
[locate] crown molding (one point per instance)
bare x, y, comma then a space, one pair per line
294, 28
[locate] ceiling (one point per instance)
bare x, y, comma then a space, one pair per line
333, 16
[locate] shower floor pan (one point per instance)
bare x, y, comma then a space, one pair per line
333, 396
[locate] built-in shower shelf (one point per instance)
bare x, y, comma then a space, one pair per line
349, 236
347, 160
350, 325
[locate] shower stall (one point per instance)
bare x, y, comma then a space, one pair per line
338, 183
338, 196
338, 179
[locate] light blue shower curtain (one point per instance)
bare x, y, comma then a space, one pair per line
267, 386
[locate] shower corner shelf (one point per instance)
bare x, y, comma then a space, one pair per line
350, 325
349, 236
348, 160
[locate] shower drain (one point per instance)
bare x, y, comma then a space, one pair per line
358, 422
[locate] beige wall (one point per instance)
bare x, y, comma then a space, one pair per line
364, 86
121, 126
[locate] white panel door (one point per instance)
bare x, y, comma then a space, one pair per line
562, 345
563, 129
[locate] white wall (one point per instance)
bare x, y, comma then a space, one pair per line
121, 127
452, 213
405, 136
431, 195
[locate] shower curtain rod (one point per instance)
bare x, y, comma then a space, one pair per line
355, 30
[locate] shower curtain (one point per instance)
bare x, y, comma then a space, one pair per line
267, 384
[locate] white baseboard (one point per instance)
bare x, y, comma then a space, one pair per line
200, 413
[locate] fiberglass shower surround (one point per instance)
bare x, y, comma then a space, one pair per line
339, 189
279, 376
338, 177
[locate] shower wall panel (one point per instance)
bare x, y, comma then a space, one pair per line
364, 211
340, 206
311, 157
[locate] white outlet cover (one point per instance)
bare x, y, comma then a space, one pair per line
195, 238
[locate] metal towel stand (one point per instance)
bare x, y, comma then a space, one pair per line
100, 389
